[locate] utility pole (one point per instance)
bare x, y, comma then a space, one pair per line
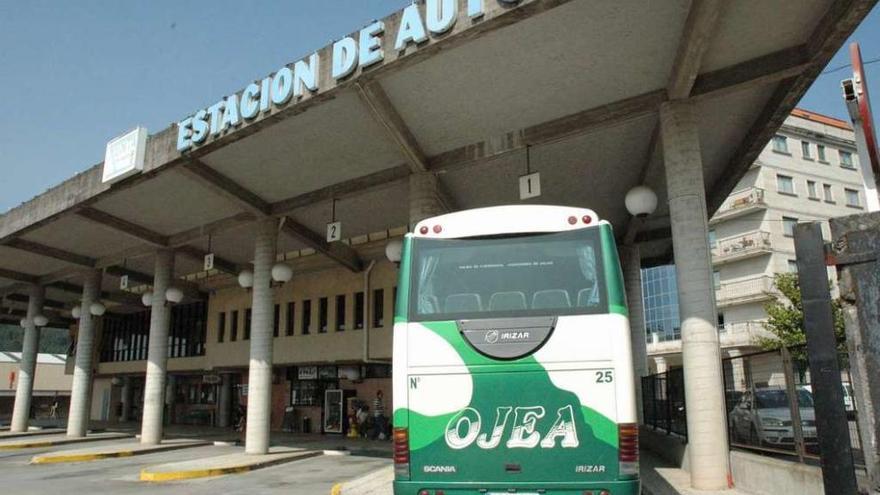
855, 251
858, 104
832, 426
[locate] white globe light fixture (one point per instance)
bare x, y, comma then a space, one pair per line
246, 279
394, 250
173, 295
76, 312
281, 272
97, 309
41, 321
147, 298
641, 201
23, 323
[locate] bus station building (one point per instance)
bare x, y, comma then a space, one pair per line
166, 252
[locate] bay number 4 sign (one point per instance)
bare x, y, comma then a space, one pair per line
334, 231
530, 185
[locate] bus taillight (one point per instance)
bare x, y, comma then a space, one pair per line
628, 445
401, 452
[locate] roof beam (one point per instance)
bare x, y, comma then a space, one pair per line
384, 112
351, 187
550, 131
838, 22
139, 278
24, 298
124, 298
18, 276
124, 226
338, 251
50, 252
759, 71
226, 187
220, 264
695, 40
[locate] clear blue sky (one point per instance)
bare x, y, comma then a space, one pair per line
75, 74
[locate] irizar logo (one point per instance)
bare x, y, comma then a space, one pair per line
464, 429
494, 336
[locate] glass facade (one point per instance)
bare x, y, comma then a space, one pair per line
660, 293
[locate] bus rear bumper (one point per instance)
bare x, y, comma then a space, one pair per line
628, 487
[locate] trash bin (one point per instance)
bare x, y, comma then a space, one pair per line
306, 424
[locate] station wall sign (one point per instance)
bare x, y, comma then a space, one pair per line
124, 155
293, 82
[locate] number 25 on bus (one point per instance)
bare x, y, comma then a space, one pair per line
512, 362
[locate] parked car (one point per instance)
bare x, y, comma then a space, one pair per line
763, 418
848, 403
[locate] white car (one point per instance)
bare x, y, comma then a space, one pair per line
763, 418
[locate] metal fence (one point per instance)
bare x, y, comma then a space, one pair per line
663, 402
769, 404
769, 399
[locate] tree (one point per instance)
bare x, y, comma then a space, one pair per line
785, 316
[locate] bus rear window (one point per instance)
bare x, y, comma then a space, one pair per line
534, 275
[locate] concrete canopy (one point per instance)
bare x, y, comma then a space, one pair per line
579, 83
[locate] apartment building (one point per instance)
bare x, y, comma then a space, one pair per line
808, 171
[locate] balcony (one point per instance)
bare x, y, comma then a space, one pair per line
749, 290
742, 333
741, 247
734, 334
740, 203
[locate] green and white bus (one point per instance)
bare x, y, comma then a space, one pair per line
512, 363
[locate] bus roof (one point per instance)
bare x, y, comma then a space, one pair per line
509, 219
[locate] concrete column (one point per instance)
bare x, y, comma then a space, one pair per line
660, 364
157, 352
259, 407
737, 369
170, 399
81, 388
425, 200
701, 354
224, 399
126, 399
632, 280
21, 412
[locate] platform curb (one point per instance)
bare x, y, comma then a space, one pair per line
86, 457
61, 441
158, 477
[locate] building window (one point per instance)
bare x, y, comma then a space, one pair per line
713, 240
716, 279
378, 308
812, 190
780, 144
721, 321
233, 332
852, 198
276, 322
792, 266
307, 317
322, 315
846, 160
291, 318
820, 152
359, 311
340, 312
805, 150
829, 196
248, 314
221, 327
788, 224
126, 337
785, 184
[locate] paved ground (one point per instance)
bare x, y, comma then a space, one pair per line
314, 476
